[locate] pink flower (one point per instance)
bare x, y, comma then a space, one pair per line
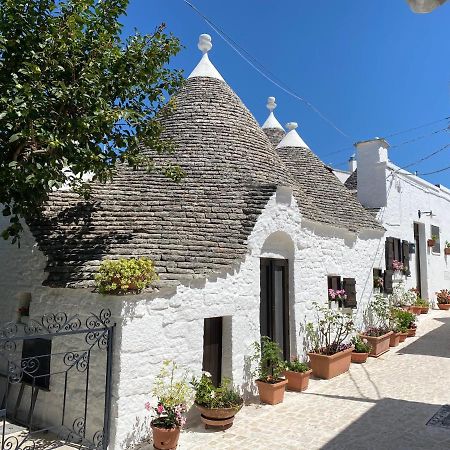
148, 407
160, 409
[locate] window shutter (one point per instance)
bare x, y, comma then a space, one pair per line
350, 289
388, 288
436, 232
405, 252
389, 252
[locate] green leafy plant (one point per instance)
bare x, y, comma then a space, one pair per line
295, 365
404, 319
435, 237
447, 244
210, 396
75, 98
268, 356
125, 275
360, 345
422, 302
328, 333
173, 394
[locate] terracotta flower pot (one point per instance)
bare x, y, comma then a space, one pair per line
411, 332
394, 339
431, 242
447, 251
416, 309
271, 393
217, 417
297, 381
324, 366
424, 309
359, 358
444, 306
380, 344
403, 336
165, 438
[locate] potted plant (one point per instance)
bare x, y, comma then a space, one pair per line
397, 266
406, 321
379, 329
378, 283
337, 295
423, 304
173, 394
217, 405
447, 248
443, 299
361, 350
432, 242
125, 275
329, 355
270, 366
297, 374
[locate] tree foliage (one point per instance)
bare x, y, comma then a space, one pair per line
75, 97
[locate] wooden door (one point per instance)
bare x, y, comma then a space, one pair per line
274, 302
212, 348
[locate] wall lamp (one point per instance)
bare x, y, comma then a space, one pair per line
426, 213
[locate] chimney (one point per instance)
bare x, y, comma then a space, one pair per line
352, 164
371, 159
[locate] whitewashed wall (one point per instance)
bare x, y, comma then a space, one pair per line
406, 194
169, 325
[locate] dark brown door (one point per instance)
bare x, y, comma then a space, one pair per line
212, 348
274, 307
417, 256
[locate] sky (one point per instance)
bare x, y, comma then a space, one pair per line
372, 68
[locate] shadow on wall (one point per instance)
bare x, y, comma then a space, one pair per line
426, 344
392, 424
68, 242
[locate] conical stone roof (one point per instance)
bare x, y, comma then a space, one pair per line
191, 228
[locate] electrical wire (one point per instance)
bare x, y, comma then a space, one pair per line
253, 62
435, 171
418, 138
416, 128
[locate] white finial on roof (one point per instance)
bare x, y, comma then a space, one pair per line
205, 67
292, 138
271, 121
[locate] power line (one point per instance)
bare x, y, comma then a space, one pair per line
263, 70
416, 128
418, 138
435, 171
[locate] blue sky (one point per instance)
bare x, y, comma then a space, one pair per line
372, 68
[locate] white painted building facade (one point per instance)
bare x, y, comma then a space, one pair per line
168, 323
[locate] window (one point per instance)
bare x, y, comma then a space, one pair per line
349, 285
435, 234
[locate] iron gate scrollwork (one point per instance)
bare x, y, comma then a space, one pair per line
64, 363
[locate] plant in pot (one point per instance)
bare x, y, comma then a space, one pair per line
378, 331
423, 304
443, 299
361, 350
329, 355
337, 295
397, 266
125, 275
401, 298
173, 394
297, 374
406, 321
378, 283
432, 242
447, 248
270, 365
217, 405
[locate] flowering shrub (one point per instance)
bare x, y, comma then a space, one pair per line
125, 275
338, 294
378, 282
397, 265
209, 396
172, 395
328, 334
443, 296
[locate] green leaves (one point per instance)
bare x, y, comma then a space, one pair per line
75, 95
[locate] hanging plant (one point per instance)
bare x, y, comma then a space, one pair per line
125, 275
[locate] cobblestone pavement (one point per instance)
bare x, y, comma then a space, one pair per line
383, 404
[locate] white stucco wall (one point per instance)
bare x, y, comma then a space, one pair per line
406, 195
152, 328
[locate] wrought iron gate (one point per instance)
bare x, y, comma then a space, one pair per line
55, 381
